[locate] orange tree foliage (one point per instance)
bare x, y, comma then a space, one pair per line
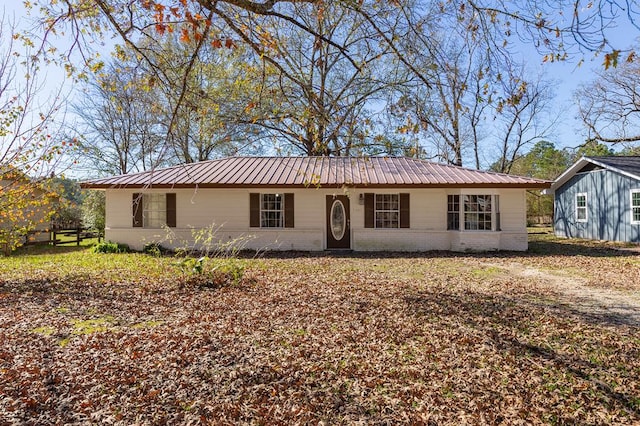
557, 29
25, 205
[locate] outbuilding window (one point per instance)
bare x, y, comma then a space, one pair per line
635, 206
581, 207
479, 212
154, 210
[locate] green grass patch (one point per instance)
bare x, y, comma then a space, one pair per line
486, 272
90, 326
44, 330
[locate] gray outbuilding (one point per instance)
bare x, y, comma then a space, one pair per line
599, 198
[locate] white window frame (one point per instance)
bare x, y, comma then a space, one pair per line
478, 212
462, 212
270, 222
453, 210
585, 207
634, 207
154, 210
377, 211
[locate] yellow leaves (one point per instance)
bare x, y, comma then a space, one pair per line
409, 127
96, 67
23, 204
554, 57
611, 59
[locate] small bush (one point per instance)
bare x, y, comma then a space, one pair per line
155, 249
233, 269
212, 273
110, 247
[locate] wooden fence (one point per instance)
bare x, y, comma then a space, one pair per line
61, 236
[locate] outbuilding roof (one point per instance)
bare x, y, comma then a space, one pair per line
628, 165
377, 172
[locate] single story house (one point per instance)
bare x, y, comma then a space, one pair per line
598, 198
320, 203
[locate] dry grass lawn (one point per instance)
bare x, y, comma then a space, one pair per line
433, 338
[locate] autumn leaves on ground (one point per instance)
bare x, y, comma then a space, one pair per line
432, 338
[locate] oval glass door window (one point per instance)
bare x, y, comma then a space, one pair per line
338, 220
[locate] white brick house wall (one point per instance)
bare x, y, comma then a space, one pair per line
227, 210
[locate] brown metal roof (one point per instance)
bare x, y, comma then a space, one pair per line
377, 172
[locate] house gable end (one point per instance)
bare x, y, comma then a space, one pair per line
590, 168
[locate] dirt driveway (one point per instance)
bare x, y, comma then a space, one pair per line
608, 305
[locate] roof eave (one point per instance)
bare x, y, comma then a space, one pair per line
536, 185
613, 168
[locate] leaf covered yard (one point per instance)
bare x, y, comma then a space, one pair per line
432, 338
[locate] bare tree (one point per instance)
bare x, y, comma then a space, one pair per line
122, 133
609, 106
210, 106
135, 123
448, 103
318, 101
553, 27
522, 118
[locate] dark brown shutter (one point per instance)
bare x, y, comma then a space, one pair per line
254, 210
288, 210
137, 210
171, 210
404, 210
369, 200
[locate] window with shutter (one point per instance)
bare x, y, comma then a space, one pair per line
386, 211
154, 210
273, 210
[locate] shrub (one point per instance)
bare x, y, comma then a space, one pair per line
155, 249
207, 242
212, 273
110, 247
233, 269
